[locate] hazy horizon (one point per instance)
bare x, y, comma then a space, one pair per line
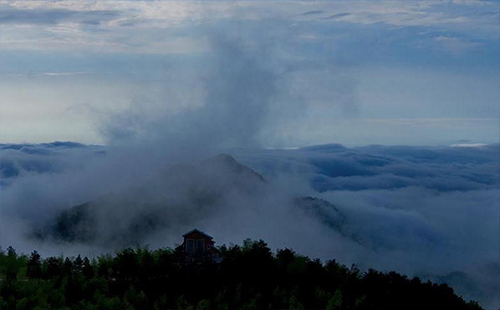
353, 73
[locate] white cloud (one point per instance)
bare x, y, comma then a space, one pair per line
469, 145
456, 46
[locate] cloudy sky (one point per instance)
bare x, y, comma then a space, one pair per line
356, 73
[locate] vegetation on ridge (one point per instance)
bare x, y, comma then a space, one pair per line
249, 277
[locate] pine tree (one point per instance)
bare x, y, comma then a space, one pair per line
34, 268
87, 269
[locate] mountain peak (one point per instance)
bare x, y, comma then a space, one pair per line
224, 163
222, 158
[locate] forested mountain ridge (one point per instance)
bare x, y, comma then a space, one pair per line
250, 276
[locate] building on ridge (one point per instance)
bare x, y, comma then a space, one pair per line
199, 247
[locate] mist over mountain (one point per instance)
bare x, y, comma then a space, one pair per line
182, 195
214, 115
428, 211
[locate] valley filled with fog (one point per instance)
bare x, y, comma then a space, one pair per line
424, 211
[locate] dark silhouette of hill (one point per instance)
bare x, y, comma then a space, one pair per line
248, 277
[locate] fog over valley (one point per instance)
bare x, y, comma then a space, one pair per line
426, 211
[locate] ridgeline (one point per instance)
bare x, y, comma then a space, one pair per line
247, 277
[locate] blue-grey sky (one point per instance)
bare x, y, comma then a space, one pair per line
353, 72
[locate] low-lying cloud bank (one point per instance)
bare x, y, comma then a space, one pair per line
428, 211
421, 210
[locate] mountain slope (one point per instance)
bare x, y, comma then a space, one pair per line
182, 196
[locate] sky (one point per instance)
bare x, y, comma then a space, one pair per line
349, 72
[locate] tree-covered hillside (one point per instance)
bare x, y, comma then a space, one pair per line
249, 277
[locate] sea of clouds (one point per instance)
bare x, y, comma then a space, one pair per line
424, 211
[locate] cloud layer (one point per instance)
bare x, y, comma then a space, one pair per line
428, 211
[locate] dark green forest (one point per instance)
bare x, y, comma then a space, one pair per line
250, 276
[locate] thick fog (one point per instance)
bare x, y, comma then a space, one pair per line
426, 211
